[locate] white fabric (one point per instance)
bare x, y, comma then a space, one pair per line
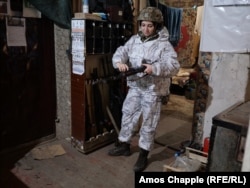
145, 92
159, 53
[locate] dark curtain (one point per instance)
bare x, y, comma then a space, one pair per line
60, 11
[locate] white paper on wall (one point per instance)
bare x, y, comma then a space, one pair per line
78, 60
78, 25
16, 29
225, 28
78, 46
77, 40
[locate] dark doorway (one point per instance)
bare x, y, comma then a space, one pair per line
27, 85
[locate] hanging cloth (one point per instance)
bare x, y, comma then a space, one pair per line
172, 20
58, 11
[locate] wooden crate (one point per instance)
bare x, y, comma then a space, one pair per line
197, 154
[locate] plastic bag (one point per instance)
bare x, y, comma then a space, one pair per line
185, 164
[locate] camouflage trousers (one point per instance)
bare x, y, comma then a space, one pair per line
140, 103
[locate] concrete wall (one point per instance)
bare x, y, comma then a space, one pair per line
228, 84
63, 82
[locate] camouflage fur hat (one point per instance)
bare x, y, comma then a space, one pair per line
152, 14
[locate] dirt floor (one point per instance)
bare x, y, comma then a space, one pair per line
57, 164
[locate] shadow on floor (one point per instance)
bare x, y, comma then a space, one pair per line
96, 169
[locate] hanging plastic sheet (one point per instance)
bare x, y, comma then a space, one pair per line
230, 2
58, 11
225, 28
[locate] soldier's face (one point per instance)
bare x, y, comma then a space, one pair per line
147, 28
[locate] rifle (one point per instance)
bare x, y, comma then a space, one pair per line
131, 71
91, 128
105, 89
98, 109
117, 96
120, 75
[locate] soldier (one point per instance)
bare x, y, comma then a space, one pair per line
150, 47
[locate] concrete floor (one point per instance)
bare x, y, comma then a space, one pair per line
74, 169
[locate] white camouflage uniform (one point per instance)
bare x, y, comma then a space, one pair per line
145, 91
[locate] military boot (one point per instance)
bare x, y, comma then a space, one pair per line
122, 149
142, 161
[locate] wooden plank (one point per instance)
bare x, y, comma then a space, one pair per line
87, 16
196, 154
